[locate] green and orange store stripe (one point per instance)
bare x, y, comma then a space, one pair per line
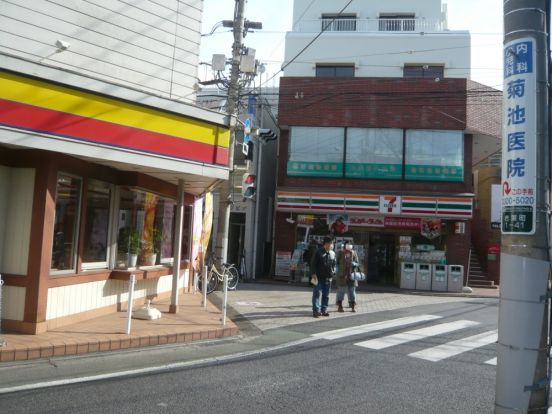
41, 107
456, 207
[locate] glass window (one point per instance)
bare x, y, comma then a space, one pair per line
64, 250
435, 155
339, 22
145, 228
335, 70
96, 230
397, 22
374, 153
316, 152
423, 71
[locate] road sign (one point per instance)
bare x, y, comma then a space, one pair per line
519, 139
247, 131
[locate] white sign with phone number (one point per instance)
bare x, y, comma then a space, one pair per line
519, 148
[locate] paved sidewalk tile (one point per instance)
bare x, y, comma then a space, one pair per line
107, 333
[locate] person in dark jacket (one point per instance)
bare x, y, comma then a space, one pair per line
323, 269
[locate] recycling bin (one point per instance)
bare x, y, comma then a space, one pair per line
455, 278
439, 278
423, 276
408, 275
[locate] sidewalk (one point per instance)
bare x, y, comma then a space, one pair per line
254, 307
267, 305
107, 333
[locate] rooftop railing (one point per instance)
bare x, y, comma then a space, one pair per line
370, 25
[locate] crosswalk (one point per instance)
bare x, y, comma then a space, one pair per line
432, 354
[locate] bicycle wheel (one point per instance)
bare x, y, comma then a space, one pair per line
233, 277
212, 281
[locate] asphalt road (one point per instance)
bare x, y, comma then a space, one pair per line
377, 369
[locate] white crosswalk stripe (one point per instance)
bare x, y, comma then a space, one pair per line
376, 326
415, 335
457, 347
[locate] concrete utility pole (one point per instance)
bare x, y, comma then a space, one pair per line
522, 383
232, 111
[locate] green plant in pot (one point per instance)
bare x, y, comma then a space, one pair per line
156, 240
129, 243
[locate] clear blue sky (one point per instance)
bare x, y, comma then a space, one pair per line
483, 18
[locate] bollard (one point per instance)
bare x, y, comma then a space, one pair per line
225, 303
131, 283
204, 286
196, 281
2, 342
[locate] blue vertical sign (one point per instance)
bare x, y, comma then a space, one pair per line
247, 131
519, 147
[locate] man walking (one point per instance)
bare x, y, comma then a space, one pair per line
323, 269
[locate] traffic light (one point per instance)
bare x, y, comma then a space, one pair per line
248, 185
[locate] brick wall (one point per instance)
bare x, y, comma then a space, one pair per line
378, 103
458, 246
373, 102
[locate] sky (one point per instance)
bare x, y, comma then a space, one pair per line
483, 18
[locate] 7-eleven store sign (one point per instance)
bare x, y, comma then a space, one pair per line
390, 204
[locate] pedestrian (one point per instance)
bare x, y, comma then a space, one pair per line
347, 263
323, 269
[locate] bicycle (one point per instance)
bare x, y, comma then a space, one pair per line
214, 276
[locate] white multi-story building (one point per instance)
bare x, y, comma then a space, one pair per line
380, 126
101, 153
375, 38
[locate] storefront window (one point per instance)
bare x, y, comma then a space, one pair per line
96, 230
145, 228
374, 153
435, 155
64, 251
316, 152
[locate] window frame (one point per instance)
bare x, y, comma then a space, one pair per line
107, 264
76, 237
426, 73
334, 67
333, 22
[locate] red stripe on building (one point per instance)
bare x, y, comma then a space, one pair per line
33, 118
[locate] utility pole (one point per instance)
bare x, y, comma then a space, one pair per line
232, 111
522, 383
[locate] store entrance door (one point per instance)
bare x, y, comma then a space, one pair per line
381, 258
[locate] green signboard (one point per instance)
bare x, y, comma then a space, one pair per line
314, 169
434, 173
517, 219
383, 171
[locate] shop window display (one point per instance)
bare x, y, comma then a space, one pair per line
68, 197
145, 228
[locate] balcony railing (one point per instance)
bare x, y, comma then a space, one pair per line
370, 25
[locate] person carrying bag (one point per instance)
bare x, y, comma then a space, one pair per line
348, 275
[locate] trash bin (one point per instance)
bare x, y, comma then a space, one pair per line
408, 275
423, 276
455, 278
439, 278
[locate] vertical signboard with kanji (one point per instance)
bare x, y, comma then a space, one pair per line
519, 147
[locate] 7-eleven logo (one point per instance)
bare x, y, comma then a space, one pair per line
390, 204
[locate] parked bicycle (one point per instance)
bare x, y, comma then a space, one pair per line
216, 275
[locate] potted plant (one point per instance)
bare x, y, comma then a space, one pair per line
129, 243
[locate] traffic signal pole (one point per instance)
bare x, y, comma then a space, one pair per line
522, 383
225, 205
